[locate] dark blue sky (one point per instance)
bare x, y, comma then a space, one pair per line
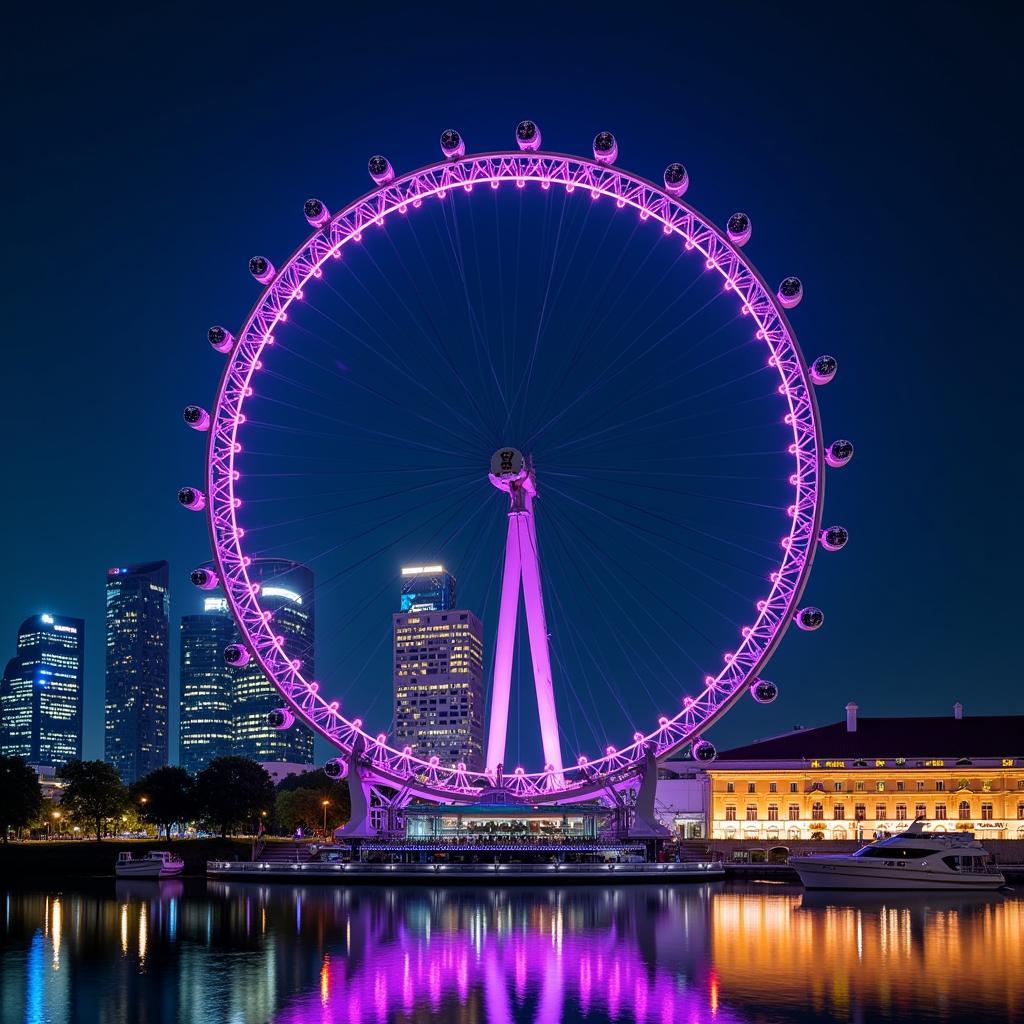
151, 153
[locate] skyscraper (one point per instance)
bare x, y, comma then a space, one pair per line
136, 734
427, 588
287, 593
41, 692
206, 686
438, 665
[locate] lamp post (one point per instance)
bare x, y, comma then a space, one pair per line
326, 804
56, 819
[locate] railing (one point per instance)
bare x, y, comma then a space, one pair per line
312, 868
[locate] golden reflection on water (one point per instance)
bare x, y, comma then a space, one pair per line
894, 953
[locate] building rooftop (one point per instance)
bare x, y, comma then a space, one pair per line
979, 736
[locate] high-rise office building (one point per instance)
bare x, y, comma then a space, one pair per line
427, 588
206, 686
438, 666
41, 692
136, 733
287, 593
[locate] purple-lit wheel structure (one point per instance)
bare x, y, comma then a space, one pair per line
720, 251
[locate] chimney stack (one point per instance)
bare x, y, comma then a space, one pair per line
958, 711
851, 717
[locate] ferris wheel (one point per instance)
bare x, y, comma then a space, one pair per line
582, 340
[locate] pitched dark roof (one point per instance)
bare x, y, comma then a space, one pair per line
978, 736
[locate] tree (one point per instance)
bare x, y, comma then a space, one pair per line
231, 790
165, 796
22, 795
94, 792
325, 789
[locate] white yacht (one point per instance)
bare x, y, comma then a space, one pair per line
914, 859
154, 864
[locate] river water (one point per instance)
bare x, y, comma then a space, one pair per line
228, 953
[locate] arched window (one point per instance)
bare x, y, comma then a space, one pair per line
965, 810
1020, 811
839, 811
817, 811
838, 832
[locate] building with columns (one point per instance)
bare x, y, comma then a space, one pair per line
862, 777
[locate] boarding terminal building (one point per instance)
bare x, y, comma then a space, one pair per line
866, 776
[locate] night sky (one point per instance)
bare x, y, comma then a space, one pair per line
150, 154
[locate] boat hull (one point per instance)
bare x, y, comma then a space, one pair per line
141, 869
838, 875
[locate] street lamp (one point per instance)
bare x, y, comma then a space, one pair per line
326, 804
56, 818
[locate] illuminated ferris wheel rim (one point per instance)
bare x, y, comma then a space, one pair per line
400, 195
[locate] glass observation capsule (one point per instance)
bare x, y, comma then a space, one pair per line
764, 691
220, 338
823, 369
261, 268
528, 136
316, 213
336, 768
704, 751
810, 618
839, 453
380, 169
834, 538
452, 144
236, 655
677, 181
196, 417
203, 578
738, 228
192, 498
790, 292
606, 149
281, 718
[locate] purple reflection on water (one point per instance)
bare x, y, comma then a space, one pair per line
506, 957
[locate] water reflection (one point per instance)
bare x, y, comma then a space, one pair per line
246, 954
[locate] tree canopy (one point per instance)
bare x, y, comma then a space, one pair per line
165, 796
93, 792
22, 796
233, 790
299, 802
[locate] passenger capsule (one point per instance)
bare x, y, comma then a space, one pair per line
336, 768
220, 338
790, 292
236, 655
380, 169
192, 498
704, 751
452, 144
810, 618
262, 269
677, 181
528, 136
823, 369
738, 229
203, 578
280, 718
834, 538
196, 417
764, 691
316, 213
839, 453
606, 149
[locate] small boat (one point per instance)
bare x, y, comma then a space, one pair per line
154, 864
914, 859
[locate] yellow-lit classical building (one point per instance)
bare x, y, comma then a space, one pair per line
852, 779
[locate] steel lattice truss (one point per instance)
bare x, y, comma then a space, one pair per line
400, 768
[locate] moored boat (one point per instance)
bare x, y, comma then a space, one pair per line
154, 864
914, 859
